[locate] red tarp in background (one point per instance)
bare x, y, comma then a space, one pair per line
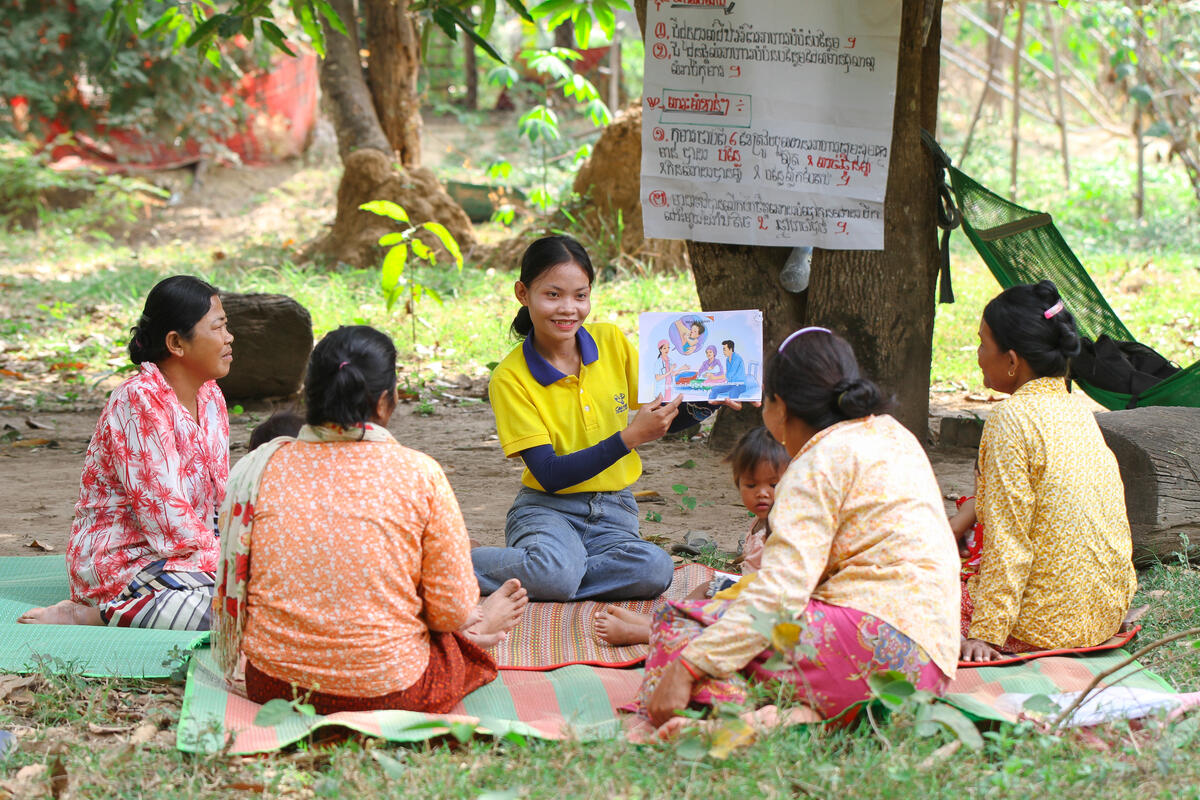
281, 111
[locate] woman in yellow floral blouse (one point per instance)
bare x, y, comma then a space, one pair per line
1056, 568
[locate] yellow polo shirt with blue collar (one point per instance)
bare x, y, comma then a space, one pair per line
536, 404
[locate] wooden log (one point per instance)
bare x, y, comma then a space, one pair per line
272, 339
1158, 451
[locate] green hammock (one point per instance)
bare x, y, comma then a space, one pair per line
1023, 246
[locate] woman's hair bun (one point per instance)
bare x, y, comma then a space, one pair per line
819, 380
1029, 320
857, 397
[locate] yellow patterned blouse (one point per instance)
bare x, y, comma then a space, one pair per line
1056, 568
858, 522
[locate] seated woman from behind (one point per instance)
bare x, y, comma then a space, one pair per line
860, 557
143, 546
345, 566
1055, 569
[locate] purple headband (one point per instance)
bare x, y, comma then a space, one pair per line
801, 332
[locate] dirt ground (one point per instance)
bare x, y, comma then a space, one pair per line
39, 484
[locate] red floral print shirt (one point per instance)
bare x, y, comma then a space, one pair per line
153, 478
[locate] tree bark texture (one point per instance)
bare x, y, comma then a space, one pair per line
376, 124
392, 70
1158, 452
348, 98
882, 301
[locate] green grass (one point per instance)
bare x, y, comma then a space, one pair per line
71, 294
84, 316
1147, 271
83, 726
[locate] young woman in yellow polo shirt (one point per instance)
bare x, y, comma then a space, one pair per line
561, 401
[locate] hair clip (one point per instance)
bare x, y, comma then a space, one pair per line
344, 363
1052, 310
801, 332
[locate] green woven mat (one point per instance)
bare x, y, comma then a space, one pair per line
30, 581
974, 690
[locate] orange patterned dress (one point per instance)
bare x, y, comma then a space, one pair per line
360, 573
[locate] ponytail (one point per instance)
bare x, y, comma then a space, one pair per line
349, 370
175, 304
522, 323
1029, 320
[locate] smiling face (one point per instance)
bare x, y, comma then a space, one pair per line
757, 487
208, 353
711, 352
559, 300
726, 349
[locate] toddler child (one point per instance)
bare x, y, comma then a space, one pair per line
758, 463
282, 423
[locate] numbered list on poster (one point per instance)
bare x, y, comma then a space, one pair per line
769, 122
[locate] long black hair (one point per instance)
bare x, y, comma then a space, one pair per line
1018, 321
544, 254
817, 377
348, 371
174, 304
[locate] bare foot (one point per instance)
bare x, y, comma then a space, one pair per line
760, 719
498, 614
619, 626
64, 612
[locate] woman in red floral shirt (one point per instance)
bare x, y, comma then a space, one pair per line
143, 550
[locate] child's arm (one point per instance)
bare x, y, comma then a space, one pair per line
752, 551
964, 519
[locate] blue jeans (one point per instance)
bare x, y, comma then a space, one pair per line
730, 390
582, 546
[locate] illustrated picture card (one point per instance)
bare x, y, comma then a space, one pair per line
700, 355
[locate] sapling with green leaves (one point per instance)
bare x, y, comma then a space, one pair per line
540, 125
392, 279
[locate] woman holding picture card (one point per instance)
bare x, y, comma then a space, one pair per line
561, 400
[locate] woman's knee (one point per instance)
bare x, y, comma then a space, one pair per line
652, 569
552, 573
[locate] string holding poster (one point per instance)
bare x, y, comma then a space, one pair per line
769, 122
700, 355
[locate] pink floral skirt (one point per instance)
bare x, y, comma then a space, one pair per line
847, 646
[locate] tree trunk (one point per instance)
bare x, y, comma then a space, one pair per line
564, 35
882, 301
392, 70
342, 84
1156, 451
367, 147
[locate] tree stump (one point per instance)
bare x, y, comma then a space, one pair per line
272, 339
1158, 451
